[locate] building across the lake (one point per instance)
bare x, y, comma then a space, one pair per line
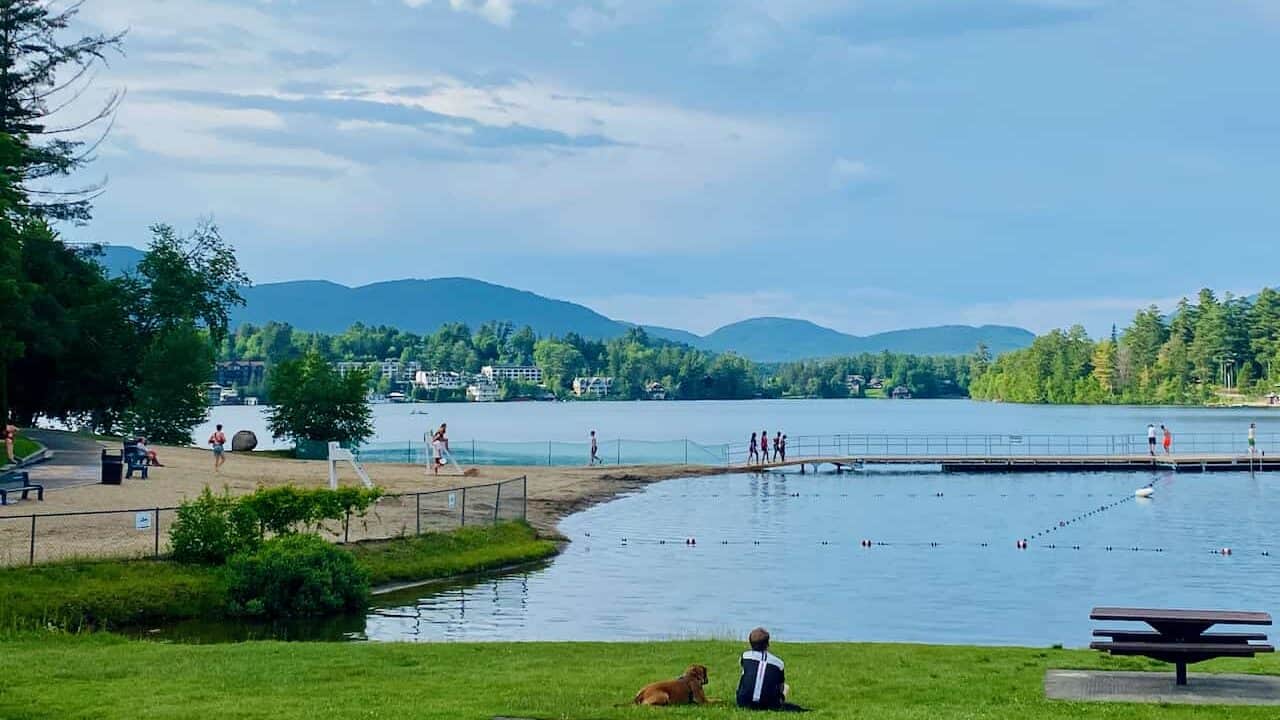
240, 373
597, 386
393, 370
439, 380
485, 391
655, 391
528, 374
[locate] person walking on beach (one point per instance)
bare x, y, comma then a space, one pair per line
764, 446
1253, 439
1151, 439
595, 451
777, 445
439, 446
218, 441
1168, 439
752, 453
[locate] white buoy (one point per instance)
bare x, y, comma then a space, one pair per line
1144, 492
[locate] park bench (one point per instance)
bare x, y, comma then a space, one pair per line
134, 459
1179, 637
18, 480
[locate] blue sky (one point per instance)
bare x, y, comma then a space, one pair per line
865, 164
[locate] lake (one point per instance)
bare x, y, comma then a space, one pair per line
715, 422
785, 550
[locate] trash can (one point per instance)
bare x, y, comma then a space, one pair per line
112, 468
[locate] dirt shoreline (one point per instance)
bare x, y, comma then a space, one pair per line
553, 494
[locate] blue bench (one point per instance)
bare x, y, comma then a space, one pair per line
18, 480
134, 459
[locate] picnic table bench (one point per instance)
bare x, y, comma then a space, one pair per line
134, 459
1179, 637
15, 481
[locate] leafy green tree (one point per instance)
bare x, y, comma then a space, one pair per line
315, 402
194, 279
170, 399
560, 363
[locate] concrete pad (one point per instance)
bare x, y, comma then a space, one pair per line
1160, 687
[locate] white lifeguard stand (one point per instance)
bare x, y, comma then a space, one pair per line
338, 454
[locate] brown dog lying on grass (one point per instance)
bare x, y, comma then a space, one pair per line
684, 690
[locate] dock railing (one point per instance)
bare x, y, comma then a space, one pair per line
623, 451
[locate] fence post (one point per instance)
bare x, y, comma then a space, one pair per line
473, 451
497, 502
464, 507
417, 513
31, 560
619, 442
346, 527
157, 524
548, 452
686, 451
524, 509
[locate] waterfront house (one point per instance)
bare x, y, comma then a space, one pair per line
901, 393
482, 391
596, 386
240, 373
439, 380
528, 374
655, 391
854, 383
213, 393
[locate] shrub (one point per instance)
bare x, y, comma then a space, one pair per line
295, 575
212, 528
285, 510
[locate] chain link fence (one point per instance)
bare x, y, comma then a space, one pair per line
144, 532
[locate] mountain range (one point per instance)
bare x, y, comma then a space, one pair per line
422, 306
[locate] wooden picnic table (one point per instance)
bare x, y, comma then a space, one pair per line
1178, 636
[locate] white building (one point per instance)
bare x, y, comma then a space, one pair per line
519, 373
598, 386
213, 393
392, 369
439, 380
482, 392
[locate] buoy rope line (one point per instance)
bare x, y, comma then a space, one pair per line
627, 541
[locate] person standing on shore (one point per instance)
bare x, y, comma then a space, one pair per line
10, 434
1151, 439
764, 446
595, 451
1253, 439
439, 446
752, 453
218, 441
1168, 439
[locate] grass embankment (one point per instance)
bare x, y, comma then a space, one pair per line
22, 448
107, 594
102, 676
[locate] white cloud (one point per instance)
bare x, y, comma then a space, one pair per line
846, 172
498, 12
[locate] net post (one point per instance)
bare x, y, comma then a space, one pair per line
31, 559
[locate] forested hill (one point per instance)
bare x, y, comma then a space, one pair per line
424, 306
1201, 350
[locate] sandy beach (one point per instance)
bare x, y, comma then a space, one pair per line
553, 493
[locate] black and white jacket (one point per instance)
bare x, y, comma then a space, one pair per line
760, 687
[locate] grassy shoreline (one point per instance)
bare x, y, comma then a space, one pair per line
104, 594
105, 676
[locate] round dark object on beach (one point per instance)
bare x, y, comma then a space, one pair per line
244, 441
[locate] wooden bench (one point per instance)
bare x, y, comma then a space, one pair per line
1179, 637
15, 481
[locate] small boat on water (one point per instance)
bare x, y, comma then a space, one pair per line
1145, 492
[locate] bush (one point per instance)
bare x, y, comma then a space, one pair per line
212, 528
295, 575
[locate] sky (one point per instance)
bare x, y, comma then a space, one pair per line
864, 164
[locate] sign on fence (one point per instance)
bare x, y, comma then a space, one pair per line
453, 500
142, 521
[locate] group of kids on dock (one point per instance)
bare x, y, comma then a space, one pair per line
1167, 439
758, 450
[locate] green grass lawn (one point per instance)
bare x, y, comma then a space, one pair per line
102, 676
22, 447
115, 593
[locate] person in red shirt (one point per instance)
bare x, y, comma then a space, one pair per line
1168, 439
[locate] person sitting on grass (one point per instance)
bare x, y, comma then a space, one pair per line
763, 683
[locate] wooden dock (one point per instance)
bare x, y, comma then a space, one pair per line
1032, 463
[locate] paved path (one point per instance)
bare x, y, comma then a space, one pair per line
1159, 687
76, 461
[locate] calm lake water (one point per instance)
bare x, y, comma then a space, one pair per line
784, 550
714, 422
